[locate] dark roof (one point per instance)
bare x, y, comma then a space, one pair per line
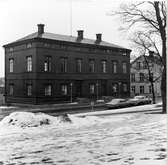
67, 38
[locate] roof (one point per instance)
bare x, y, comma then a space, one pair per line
154, 59
66, 38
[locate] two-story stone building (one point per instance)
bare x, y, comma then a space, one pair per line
48, 68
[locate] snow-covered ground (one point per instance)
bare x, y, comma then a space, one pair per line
125, 139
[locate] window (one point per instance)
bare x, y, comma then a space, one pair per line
11, 49
64, 89
29, 64
150, 89
124, 53
141, 77
63, 64
29, 45
48, 90
133, 89
132, 77
29, 89
78, 65
11, 62
92, 88
104, 66
125, 87
47, 64
144, 65
11, 89
115, 88
141, 89
114, 67
124, 67
138, 65
91, 66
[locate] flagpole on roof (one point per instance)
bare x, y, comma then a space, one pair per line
71, 17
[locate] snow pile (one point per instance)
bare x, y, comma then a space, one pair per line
29, 119
26, 119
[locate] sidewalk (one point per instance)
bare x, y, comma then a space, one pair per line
82, 110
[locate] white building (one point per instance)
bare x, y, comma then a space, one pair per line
140, 84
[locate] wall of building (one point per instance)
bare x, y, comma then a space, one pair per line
38, 77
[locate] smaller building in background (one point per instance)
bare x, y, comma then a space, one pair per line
140, 84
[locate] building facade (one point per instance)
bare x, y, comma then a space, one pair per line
48, 68
140, 84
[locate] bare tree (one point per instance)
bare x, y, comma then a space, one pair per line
145, 43
150, 18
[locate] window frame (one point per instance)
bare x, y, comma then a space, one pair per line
63, 64
124, 67
104, 66
91, 65
11, 65
64, 89
29, 64
78, 65
48, 90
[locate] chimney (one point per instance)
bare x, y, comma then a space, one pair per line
98, 38
40, 29
80, 34
151, 53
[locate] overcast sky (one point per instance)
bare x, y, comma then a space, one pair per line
20, 18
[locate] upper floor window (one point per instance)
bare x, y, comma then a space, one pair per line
115, 67
124, 54
78, 65
64, 88
29, 63
141, 76
11, 49
144, 65
132, 77
104, 66
29, 89
11, 89
124, 67
47, 64
29, 45
138, 65
11, 64
92, 88
92, 66
63, 65
48, 90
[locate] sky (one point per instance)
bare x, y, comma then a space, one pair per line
19, 18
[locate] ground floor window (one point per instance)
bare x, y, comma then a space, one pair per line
125, 87
48, 90
150, 89
64, 89
11, 89
29, 89
133, 89
115, 88
92, 88
141, 89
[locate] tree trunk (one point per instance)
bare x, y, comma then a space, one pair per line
153, 92
163, 82
163, 90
